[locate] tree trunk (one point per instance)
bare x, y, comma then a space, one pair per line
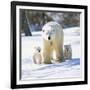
27, 29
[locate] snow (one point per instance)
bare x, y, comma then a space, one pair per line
68, 69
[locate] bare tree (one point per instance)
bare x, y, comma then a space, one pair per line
27, 31
24, 23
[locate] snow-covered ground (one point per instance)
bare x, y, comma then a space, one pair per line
67, 69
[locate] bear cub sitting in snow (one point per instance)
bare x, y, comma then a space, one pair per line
37, 55
67, 52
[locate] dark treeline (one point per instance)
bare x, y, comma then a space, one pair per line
34, 20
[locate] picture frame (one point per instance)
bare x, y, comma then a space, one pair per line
28, 79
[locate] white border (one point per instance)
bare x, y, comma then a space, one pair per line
19, 82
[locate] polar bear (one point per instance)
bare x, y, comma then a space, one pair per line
67, 52
37, 55
52, 42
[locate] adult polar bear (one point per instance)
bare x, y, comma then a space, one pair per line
52, 42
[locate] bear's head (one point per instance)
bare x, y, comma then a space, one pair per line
67, 47
49, 31
37, 49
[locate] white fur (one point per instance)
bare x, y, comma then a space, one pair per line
37, 55
67, 52
55, 43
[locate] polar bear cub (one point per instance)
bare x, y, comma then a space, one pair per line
67, 52
37, 55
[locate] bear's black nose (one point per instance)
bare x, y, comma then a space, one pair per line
49, 38
38, 50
